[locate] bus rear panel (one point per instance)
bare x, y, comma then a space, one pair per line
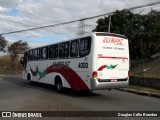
110, 61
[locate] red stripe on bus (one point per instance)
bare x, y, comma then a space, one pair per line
101, 68
71, 76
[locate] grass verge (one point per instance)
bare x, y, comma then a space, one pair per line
145, 89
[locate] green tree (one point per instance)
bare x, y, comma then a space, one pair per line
143, 31
17, 48
3, 43
153, 31
122, 22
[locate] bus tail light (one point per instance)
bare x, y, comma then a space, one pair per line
95, 74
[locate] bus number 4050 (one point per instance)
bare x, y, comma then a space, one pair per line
83, 65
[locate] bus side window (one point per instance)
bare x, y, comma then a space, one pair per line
74, 49
63, 50
53, 51
56, 51
36, 54
66, 50
30, 55
50, 51
44, 53
25, 58
84, 47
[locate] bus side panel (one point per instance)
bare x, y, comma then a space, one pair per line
73, 72
81, 67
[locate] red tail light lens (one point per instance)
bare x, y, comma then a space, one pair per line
95, 74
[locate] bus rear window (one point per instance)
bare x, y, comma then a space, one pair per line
84, 46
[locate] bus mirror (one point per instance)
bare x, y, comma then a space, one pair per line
21, 60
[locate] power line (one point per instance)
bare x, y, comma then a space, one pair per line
58, 24
49, 21
82, 19
141, 6
12, 21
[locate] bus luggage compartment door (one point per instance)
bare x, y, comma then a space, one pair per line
112, 68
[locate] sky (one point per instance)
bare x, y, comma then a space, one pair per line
24, 14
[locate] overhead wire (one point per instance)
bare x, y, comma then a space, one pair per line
81, 19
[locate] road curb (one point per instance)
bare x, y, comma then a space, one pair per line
140, 92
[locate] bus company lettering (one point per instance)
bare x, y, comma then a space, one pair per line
62, 63
116, 41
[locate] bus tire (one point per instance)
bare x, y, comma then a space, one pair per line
29, 78
58, 84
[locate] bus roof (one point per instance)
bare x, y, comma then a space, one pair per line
93, 33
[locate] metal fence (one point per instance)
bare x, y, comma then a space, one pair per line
145, 72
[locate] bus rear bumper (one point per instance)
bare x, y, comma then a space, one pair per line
96, 85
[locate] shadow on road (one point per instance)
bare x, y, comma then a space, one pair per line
23, 84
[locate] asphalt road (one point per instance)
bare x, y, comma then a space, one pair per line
17, 94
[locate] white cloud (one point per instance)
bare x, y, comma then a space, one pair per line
10, 40
31, 44
34, 13
10, 3
3, 10
35, 44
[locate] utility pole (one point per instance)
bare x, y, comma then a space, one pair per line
81, 27
109, 24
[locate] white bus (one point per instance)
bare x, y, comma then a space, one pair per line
93, 62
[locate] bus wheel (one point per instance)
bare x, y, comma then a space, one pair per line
29, 79
58, 84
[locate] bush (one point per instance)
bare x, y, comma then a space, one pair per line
9, 66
